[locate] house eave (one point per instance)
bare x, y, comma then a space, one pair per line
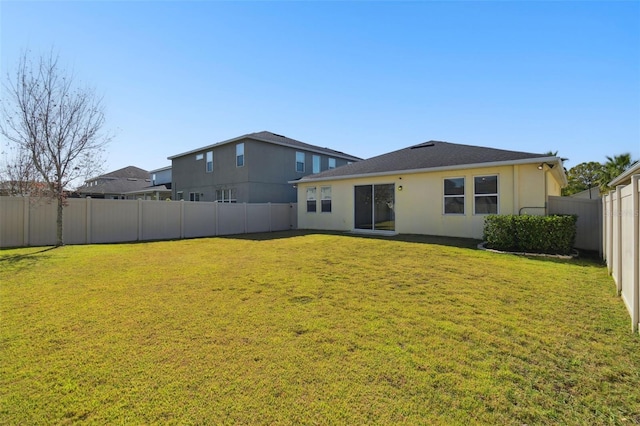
538, 160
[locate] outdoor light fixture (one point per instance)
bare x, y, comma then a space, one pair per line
541, 166
400, 188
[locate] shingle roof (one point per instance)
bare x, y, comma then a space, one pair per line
427, 155
274, 138
118, 181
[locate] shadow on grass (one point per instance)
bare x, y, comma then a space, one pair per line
409, 238
24, 260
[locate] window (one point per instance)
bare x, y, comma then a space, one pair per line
311, 200
240, 155
316, 163
454, 196
180, 195
332, 163
209, 162
300, 162
226, 195
194, 196
153, 179
199, 157
325, 199
485, 191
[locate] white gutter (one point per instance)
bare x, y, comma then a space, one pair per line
554, 160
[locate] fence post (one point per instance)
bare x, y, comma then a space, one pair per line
635, 251
217, 214
618, 230
182, 218
25, 221
87, 212
246, 228
139, 219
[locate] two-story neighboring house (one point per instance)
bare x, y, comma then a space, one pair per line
253, 168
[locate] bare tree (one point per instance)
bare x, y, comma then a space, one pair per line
54, 126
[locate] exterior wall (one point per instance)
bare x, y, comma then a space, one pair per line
32, 222
419, 206
162, 177
264, 177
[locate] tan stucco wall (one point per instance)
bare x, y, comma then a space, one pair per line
419, 205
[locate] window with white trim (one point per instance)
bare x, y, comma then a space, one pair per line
315, 163
194, 196
199, 157
240, 155
311, 200
485, 194
300, 162
325, 199
332, 163
209, 166
226, 195
454, 196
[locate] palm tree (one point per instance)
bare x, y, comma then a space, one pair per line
614, 167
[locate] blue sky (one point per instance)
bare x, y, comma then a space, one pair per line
362, 77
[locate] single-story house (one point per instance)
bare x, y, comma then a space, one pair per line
433, 188
115, 184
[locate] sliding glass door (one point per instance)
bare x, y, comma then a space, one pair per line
374, 207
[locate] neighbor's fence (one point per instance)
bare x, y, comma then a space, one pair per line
621, 241
25, 221
589, 223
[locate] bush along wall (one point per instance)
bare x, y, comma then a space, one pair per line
554, 234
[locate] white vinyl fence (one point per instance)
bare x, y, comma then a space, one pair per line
621, 232
26, 221
589, 224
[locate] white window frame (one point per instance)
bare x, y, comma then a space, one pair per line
332, 163
312, 196
240, 155
496, 194
226, 195
463, 196
300, 157
199, 157
325, 196
209, 162
315, 164
194, 196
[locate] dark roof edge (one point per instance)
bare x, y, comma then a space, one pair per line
312, 148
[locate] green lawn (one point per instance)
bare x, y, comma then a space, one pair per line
301, 328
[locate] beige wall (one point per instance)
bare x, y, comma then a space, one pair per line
419, 205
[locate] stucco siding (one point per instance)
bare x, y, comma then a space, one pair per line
419, 204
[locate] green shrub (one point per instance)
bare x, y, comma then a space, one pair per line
535, 234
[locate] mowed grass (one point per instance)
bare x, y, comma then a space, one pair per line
301, 328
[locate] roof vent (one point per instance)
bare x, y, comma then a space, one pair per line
423, 145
